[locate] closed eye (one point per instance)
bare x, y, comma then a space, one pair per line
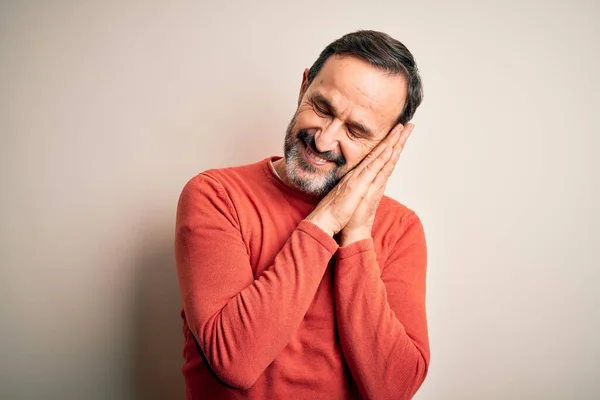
321, 110
353, 133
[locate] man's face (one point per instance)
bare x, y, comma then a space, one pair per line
346, 111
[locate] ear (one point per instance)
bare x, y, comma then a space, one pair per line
304, 85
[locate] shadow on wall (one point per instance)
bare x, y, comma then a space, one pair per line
157, 337
157, 347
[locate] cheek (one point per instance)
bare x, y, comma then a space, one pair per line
354, 153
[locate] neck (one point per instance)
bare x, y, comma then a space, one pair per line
279, 167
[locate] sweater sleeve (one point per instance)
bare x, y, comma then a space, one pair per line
241, 323
381, 314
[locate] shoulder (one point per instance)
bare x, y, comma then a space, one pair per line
225, 179
236, 173
393, 211
395, 221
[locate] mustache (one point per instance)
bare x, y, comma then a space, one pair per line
309, 141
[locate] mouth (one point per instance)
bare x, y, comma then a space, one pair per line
313, 157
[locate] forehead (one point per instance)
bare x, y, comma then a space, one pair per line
361, 91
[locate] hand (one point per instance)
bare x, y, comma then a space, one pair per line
337, 207
360, 224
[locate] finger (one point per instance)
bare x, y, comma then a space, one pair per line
370, 171
395, 135
388, 168
390, 140
374, 194
354, 189
405, 135
375, 191
377, 186
383, 175
393, 138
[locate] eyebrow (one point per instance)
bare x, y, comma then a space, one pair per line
324, 102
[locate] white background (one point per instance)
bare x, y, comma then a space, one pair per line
108, 108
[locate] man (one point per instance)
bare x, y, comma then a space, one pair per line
299, 278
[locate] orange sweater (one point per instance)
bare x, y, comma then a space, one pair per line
273, 308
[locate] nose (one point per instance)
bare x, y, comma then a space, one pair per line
328, 139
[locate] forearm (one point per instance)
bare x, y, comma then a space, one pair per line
242, 333
381, 355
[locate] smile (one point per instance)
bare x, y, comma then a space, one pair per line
313, 157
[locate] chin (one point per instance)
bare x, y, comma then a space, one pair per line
308, 180
302, 179
316, 180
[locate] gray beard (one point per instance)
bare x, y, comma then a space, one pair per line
317, 185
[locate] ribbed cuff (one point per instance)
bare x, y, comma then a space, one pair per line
319, 235
352, 249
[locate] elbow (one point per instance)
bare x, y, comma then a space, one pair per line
231, 368
418, 377
405, 381
234, 375
422, 368
224, 357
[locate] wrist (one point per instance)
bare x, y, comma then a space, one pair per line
353, 236
321, 224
